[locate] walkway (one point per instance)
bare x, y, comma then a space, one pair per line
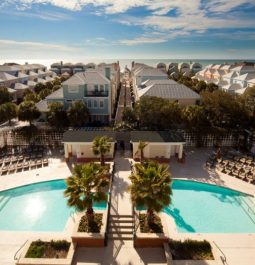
124, 100
120, 252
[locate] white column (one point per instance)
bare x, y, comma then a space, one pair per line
180, 151
66, 151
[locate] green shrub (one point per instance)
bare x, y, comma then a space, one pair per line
36, 249
60, 244
191, 249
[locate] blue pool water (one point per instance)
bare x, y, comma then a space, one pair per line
36, 207
204, 208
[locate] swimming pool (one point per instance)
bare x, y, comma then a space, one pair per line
204, 208
36, 207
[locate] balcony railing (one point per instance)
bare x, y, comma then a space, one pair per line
96, 94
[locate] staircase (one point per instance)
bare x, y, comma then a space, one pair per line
120, 227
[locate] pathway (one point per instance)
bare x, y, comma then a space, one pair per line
120, 251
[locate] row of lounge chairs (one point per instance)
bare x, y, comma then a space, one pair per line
242, 167
19, 166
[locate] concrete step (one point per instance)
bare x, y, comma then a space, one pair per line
120, 230
122, 221
121, 216
120, 237
121, 225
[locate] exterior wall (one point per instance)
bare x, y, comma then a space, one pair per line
84, 150
154, 150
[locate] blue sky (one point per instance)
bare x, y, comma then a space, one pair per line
111, 29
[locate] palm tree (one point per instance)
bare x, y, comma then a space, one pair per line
140, 149
85, 187
151, 188
101, 146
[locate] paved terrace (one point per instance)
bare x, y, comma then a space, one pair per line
239, 248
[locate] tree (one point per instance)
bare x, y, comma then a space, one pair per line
101, 146
39, 87
78, 114
224, 110
49, 85
5, 96
28, 111
194, 117
129, 116
140, 149
201, 86
170, 115
57, 116
8, 111
151, 188
211, 87
249, 101
56, 87
44, 93
85, 187
31, 96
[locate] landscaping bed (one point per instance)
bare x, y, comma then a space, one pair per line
155, 227
53, 249
90, 235
191, 250
92, 227
47, 252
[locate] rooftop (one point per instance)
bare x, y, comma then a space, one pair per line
83, 136
157, 137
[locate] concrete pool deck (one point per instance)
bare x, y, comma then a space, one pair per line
238, 248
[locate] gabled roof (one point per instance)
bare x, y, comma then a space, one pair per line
4, 76
251, 81
22, 75
168, 90
245, 77
42, 106
157, 137
232, 87
7, 68
86, 136
58, 94
149, 71
90, 76
230, 75
20, 86
244, 68
32, 73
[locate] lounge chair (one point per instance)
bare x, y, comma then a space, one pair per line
38, 163
45, 162
26, 166
19, 167
4, 170
11, 169
32, 164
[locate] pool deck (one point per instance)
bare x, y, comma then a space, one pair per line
238, 248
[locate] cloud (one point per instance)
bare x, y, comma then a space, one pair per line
12, 44
142, 40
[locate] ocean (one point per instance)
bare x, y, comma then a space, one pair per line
124, 62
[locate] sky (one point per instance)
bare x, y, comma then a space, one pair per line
127, 29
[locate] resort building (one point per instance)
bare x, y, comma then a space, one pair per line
79, 144
97, 88
18, 78
168, 89
184, 67
149, 81
161, 145
232, 78
61, 68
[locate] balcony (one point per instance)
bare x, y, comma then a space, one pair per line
96, 94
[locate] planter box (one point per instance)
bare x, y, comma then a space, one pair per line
83, 239
142, 240
170, 261
43, 261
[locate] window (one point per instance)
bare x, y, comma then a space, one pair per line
106, 87
96, 88
95, 103
89, 103
101, 88
101, 103
85, 90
